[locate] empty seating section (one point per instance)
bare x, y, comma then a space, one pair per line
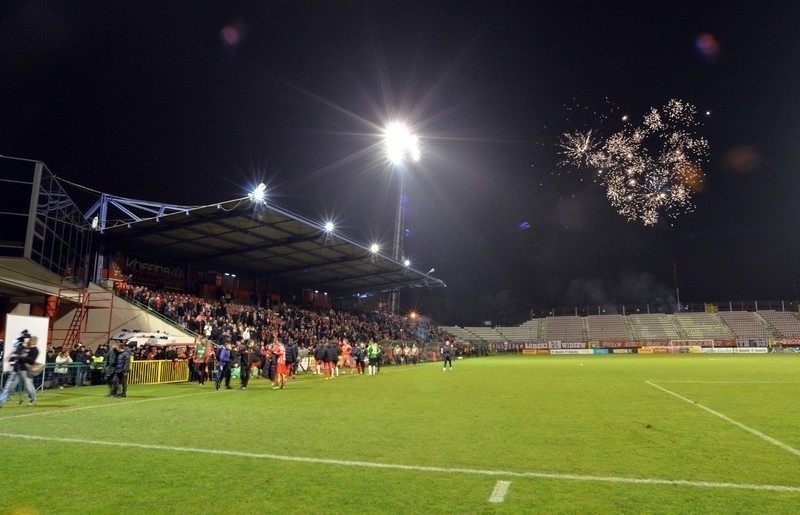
785, 323
607, 327
460, 333
744, 324
527, 332
565, 329
653, 326
701, 326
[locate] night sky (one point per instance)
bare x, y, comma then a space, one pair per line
193, 102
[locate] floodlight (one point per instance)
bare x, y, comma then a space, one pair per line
432, 270
401, 143
259, 193
374, 248
329, 226
95, 222
407, 262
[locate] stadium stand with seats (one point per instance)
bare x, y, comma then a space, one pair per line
701, 326
785, 323
607, 327
566, 328
527, 332
744, 324
653, 326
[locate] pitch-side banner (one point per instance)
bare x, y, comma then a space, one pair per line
19, 329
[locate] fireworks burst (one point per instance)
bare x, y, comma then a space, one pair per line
649, 170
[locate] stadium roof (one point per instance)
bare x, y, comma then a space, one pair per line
263, 240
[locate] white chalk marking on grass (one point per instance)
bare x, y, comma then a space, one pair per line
415, 468
729, 420
37, 411
499, 492
731, 382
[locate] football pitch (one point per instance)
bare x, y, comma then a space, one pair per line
502, 434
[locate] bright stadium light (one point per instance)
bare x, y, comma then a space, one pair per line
400, 143
329, 227
258, 194
374, 248
407, 263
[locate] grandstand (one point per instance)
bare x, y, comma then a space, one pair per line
785, 324
744, 324
607, 327
487, 334
569, 328
701, 326
527, 332
653, 326
724, 325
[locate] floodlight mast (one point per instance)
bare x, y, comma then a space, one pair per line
401, 146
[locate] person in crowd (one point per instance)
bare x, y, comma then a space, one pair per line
414, 354
447, 355
245, 362
374, 355
96, 367
110, 368
358, 358
81, 365
190, 353
122, 370
292, 357
200, 370
279, 352
224, 364
347, 354
319, 358
25, 353
61, 370
330, 356
398, 354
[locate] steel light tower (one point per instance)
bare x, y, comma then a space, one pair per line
401, 147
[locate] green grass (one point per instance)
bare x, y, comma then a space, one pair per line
592, 434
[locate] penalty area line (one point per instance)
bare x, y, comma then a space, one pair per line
413, 468
729, 420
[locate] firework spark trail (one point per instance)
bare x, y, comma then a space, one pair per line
649, 170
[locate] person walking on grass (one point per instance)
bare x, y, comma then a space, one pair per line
447, 356
224, 371
245, 362
110, 368
121, 375
282, 371
358, 358
25, 353
374, 355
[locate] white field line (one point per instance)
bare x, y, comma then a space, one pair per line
731, 382
37, 411
415, 468
729, 420
500, 491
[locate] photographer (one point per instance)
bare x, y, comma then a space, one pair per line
25, 353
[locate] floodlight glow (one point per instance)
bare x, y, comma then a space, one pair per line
329, 227
259, 194
407, 262
401, 143
374, 248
